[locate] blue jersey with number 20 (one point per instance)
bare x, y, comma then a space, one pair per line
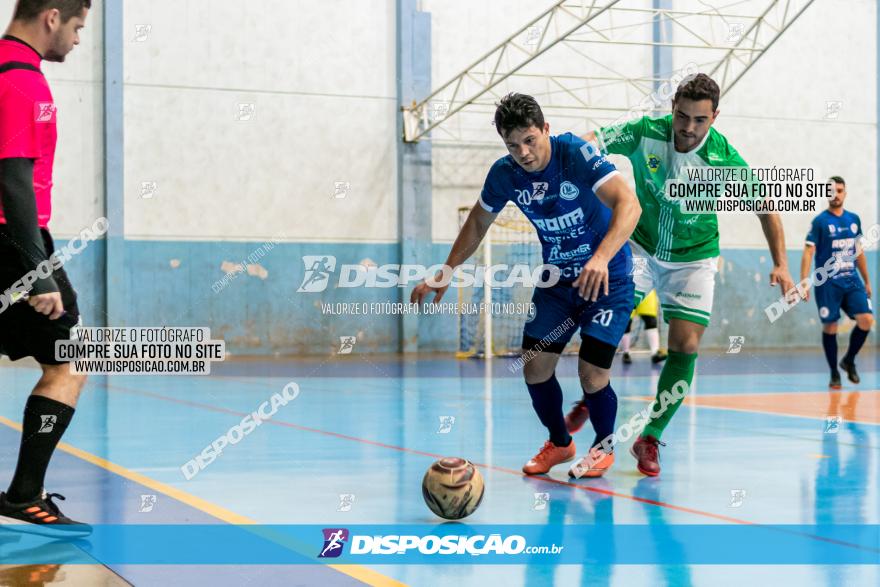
561, 203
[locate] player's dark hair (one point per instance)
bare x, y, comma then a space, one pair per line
517, 111
837, 179
699, 87
26, 10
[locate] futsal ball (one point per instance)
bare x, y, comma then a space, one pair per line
452, 488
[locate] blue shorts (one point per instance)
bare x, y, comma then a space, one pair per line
847, 293
559, 311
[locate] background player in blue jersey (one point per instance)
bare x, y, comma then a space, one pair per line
583, 212
835, 233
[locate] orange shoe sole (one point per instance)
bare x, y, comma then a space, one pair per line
593, 473
641, 470
567, 460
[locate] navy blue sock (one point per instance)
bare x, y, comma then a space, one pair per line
547, 401
829, 343
856, 340
603, 412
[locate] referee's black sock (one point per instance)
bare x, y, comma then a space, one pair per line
547, 401
856, 340
829, 343
45, 421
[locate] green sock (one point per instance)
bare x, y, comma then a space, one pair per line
679, 367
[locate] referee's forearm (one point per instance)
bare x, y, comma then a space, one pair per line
20, 211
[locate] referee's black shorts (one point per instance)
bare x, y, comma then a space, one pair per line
24, 332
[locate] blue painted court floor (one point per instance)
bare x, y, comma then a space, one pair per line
761, 441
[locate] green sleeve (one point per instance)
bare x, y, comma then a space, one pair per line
731, 158
622, 139
722, 154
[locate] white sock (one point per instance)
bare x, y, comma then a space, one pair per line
653, 339
624, 343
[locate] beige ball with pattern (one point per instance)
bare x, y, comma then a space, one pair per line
453, 488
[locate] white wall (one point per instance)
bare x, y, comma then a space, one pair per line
775, 115
464, 31
76, 84
322, 78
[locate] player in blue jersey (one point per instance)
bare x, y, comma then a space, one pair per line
835, 233
583, 212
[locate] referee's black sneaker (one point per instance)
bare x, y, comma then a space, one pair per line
851, 372
40, 516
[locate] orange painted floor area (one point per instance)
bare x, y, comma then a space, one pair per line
851, 406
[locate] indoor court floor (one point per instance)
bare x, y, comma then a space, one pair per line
760, 440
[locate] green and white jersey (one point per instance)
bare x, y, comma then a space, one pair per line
664, 231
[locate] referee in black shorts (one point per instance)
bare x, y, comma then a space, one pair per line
37, 306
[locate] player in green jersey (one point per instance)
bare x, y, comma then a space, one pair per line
679, 251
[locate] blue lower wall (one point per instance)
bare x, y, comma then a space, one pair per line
87, 272
172, 283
